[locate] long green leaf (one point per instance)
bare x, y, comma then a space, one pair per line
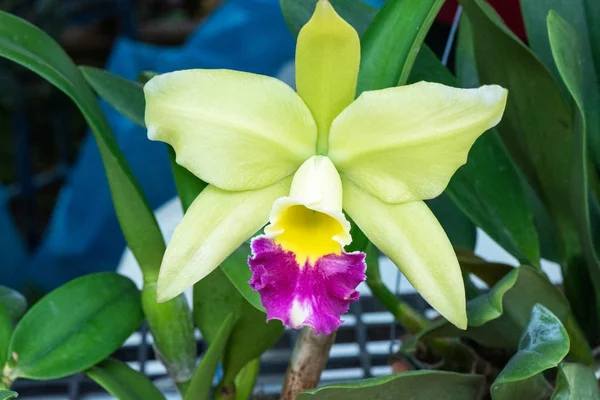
74, 327
27, 45
123, 382
573, 12
543, 345
125, 96
171, 322
413, 385
392, 41
199, 388
537, 128
567, 52
576, 382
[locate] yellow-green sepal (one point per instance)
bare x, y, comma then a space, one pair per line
410, 235
216, 224
404, 144
327, 61
235, 130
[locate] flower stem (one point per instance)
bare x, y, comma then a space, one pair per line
410, 319
308, 361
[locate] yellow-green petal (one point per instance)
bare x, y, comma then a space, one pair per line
216, 224
327, 61
410, 235
235, 130
405, 143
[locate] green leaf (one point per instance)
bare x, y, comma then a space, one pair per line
356, 12
75, 326
27, 45
214, 298
125, 96
574, 14
413, 385
199, 388
488, 188
8, 394
13, 301
543, 345
123, 382
246, 379
490, 306
575, 382
567, 51
497, 319
391, 43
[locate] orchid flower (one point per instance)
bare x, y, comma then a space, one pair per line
298, 160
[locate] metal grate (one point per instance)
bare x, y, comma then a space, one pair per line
361, 350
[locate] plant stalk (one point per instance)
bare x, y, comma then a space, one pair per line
307, 363
410, 319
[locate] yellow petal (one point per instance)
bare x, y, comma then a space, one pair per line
327, 61
405, 143
235, 130
410, 235
216, 224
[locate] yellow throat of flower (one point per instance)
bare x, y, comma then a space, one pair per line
309, 222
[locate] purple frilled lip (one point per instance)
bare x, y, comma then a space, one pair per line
315, 295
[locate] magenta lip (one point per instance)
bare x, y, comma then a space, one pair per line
324, 289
